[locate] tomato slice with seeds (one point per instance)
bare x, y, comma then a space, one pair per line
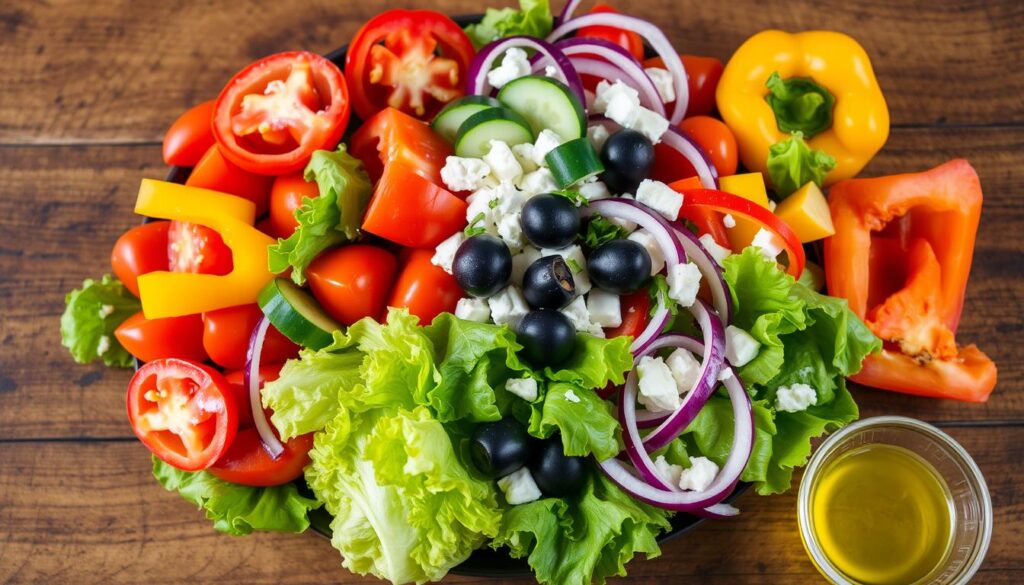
183, 412
412, 60
198, 249
273, 114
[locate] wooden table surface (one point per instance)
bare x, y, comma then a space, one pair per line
86, 91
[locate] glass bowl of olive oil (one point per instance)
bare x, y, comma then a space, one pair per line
894, 501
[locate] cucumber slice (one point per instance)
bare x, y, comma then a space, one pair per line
573, 161
476, 133
296, 314
447, 122
546, 103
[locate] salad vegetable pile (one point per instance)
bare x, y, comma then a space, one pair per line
516, 286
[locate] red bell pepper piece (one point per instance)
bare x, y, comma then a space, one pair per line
411, 210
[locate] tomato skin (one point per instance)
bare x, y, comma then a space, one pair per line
391, 136
217, 173
226, 334
190, 136
352, 282
426, 290
412, 211
286, 196
702, 75
156, 339
236, 382
635, 308
628, 40
278, 131
182, 390
717, 141
197, 249
246, 462
140, 250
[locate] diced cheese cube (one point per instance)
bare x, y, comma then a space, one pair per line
522, 261
464, 174
729, 221
660, 197
444, 253
699, 475
650, 124
597, 135
502, 161
519, 487
668, 471
524, 154
795, 398
685, 369
646, 239
724, 374
539, 181
684, 283
740, 346
806, 211
546, 141
578, 314
609, 91
622, 110
525, 388
770, 244
658, 392
514, 64
577, 262
719, 253
508, 307
510, 200
605, 308
594, 191
473, 309
663, 82
511, 231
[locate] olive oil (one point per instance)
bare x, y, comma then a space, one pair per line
882, 515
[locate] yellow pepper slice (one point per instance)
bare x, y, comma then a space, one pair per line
748, 186
173, 294
807, 212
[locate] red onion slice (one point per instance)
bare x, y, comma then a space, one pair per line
709, 269
645, 217
477, 84
657, 324
652, 35
684, 145
629, 69
567, 11
269, 439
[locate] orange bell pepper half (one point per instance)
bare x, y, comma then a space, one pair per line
901, 256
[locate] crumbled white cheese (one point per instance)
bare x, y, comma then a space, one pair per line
464, 174
660, 197
525, 388
524, 154
503, 163
546, 141
621, 103
729, 221
795, 398
571, 397
646, 239
685, 369
539, 181
651, 124
724, 374
580, 317
519, 487
699, 475
597, 135
473, 309
444, 253
577, 262
514, 64
106, 311
772, 205
511, 231
770, 244
594, 191
605, 308
658, 392
103, 346
508, 306
522, 261
684, 283
663, 82
719, 253
667, 471
740, 346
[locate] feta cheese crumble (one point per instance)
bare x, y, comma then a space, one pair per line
660, 197
514, 64
658, 392
464, 174
546, 141
605, 308
621, 103
525, 388
508, 307
580, 318
103, 346
770, 244
571, 397
684, 283
685, 369
699, 475
667, 471
444, 253
719, 253
729, 221
473, 309
503, 163
597, 135
795, 398
740, 346
539, 181
577, 262
646, 239
663, 82
519, 487
522, 261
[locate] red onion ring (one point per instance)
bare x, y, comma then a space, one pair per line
650, 33
628, 67
567, 11
269, 439
657, 324
709, 269
476, 81
694, 154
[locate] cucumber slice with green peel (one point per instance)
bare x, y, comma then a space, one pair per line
546, 103
296, 314
447, 122
477, 132
573, 161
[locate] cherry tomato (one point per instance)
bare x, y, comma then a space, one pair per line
155, 339
190, 136
702, 75
285, 197
426, 290
197, 249
246, 462
717, 141
217, 173
413, 60
412, 211
236, 381
274, 113
392, 136
635, 308
140, 250
226, 334
183, 412
352, 282
626, 39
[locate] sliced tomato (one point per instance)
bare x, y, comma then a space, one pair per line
707, 221
392, 136
226, 334
413, 60
217, 173
412, 211
246, 462
285, 197
628, 40
702, 75
352, 282
183, 412
190, 136
236, 380
155, 339
274, 113
140, 250
198, 249
636, 308
426, 290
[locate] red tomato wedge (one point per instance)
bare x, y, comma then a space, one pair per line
412, 60
392, 136
246, 462
412, 211
155, 339
190, 136
273, 114
426, 290
635, 308
226, 335
352, 282
183, 412
198, 249
140, 250
217, 173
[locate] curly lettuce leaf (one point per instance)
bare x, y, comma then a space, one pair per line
238, 509
92, 314
792, 164
595, 362
532, 19
583, 419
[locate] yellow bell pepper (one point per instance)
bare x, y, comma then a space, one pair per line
807, 212
852, 130
173, 294
748, 186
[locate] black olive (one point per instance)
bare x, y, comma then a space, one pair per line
499, 448
557, 474
550, 221
547, 336
548, 283
483, 265
627, 156
619, 266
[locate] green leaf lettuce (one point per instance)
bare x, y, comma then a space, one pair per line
91, 315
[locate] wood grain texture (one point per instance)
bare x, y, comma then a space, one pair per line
72, 69
92, 513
